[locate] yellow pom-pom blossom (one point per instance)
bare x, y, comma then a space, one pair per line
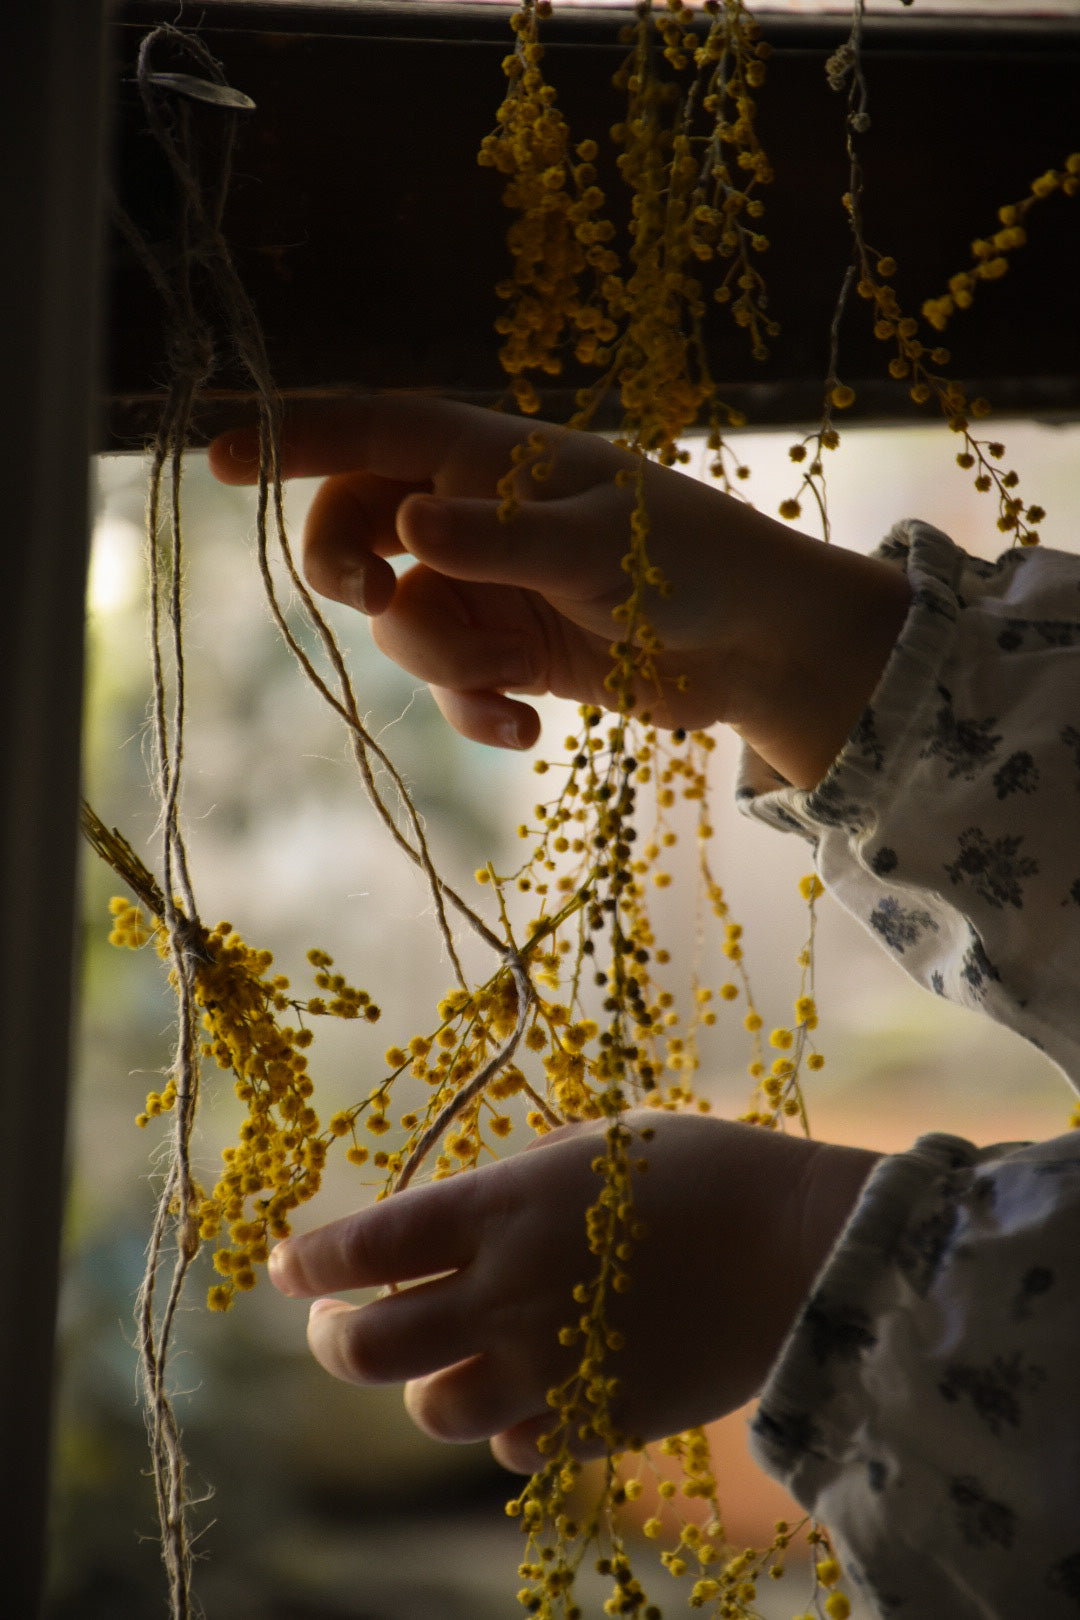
130, 929
277, 1162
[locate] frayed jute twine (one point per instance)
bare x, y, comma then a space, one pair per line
193, 117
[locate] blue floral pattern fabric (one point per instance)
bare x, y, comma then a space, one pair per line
927, 1404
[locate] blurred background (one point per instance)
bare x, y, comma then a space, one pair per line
322, 1500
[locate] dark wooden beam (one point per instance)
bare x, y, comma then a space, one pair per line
370, 240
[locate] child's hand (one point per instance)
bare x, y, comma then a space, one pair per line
738, 1221
778, 635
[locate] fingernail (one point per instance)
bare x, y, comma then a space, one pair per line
353, 590
428, 519
319, 1307
275, 1268
241, 449
509, 733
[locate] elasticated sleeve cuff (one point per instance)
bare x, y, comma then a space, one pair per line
943, 825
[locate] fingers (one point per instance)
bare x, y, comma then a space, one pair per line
548, 546
414, 1234
349, 530
402, 1336
408, 437
358, 518
469, 639
478, 1400
515, 1448
489, 717
337, 438
427, 1337
474, 1400
407, 445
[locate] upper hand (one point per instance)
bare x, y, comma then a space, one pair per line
778, 635
493, 607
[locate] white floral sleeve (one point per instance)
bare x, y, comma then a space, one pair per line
927, 1404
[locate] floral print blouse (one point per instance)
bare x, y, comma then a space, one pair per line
926, 1406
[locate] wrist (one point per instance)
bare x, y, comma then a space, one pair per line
822, 624
797, 1196
830, 1191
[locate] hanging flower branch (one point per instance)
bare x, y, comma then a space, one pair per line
575, 1019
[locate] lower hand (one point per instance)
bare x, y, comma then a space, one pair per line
738, 1221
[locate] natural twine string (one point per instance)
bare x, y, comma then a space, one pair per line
193, 118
